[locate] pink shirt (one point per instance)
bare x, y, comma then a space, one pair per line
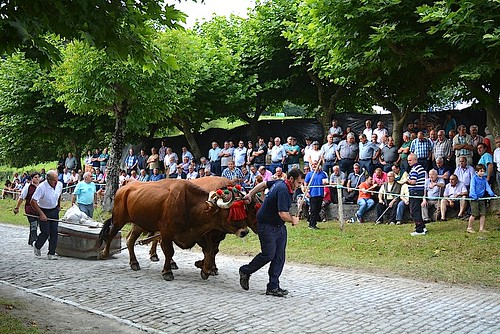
380, 180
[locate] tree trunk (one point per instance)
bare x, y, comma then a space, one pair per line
193, 144
115, 155
488, 96
254, 121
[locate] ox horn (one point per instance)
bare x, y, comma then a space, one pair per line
226, 203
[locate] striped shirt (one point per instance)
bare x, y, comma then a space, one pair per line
417, 173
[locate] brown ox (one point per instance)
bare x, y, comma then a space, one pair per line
208, 242
178, 209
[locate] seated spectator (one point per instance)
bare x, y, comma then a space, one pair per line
388, 197
336, 178
192, 173
66, 178
379, 177
464, 171
266, 174
403, 204
121, 179
100, 181
73, 180
279, 175
456, 192
180, 173
251, 177
365, 200
171, 168
157, 176
7, 189
232, 172
133, 175
185, 164
353, 181
433, 188
143, 176
201, 172
400, 175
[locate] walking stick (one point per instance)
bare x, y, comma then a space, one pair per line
387, 209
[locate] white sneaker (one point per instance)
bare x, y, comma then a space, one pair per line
37, 251
415, 233
52, 257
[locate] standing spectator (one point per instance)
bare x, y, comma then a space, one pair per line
271, 219
168, 154
422, 148
496, 158
74, 179
380, 131
486, 160
449, 123
306, 151
142, 160
476, 140
26, 195
347, 153
464, 171
354, 179
88, 161
95, 159
214, 158
488, 140
314, 182
292, 153
103, 159
388, 197
328, 155
250, 157
259, 153
456, 192
70, 162
479, 188
46, 201
278, 155
153, 160
315, 153
403, 151
442, 148
389, 155
161, 155
368, 131
85, 195
336, 132
432, 191
226, 154
462, 144
60, 164
367, 150
66, 177
416, 184
240, 155
131, 161
186, 153
432, 135
365, 200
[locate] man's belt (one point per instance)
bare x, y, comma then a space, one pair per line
364, 159
277, 162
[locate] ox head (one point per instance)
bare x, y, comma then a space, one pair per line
230, 200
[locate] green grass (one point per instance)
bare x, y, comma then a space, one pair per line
13, 325
447, 254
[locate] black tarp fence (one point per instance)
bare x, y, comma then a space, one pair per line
302, 128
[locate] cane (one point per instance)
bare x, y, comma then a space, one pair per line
387, 209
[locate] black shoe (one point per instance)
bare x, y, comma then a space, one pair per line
276, 292
244, 280
284, 291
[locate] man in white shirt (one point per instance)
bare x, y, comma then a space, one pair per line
47, 202
380, 131
456, 192
240, 155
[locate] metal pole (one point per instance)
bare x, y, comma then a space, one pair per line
341, 207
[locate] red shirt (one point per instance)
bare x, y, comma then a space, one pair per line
364, 195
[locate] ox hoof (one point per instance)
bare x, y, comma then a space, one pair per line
215, 271
199, 264
154, 258
100, 256
204, 275
173, 265
168, 276
135, 266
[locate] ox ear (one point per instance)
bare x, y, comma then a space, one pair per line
210, 208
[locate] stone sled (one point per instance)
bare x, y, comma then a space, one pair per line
80, 241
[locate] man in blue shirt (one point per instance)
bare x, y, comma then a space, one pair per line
214, 158
271, 229
315, 179
85, 195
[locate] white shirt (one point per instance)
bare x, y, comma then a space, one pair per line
380, 134
46, 196
496, 158
240, 156
368, 133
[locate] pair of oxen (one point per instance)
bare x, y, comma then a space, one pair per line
183, 212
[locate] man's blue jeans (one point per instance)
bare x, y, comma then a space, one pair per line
273, 244
364, 205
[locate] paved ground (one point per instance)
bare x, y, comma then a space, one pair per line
321, 300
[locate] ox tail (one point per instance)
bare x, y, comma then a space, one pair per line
103, 235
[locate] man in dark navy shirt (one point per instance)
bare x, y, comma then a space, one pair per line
271, 229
